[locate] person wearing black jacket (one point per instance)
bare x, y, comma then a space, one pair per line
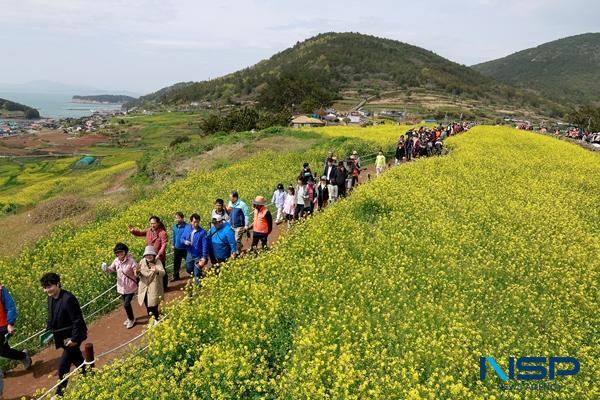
330, 170
340, 179
65, 321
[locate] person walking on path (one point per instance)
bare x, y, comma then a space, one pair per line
379, 163
341, 176
408, 146
399, 151
278, 200
311, 190
322, 194
239, 216
126, 268
357, 159
306, 173
222, 243
330, 170
332, 191
66, 323
156, 236
353, 171
179, 251
289, 206
195, 240
8, 318
219, 210
150, 288
300, 199
262, 224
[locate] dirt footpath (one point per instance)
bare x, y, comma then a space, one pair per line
107, 333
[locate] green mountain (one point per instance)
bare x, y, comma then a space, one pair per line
567, 69
343, 62
10, 109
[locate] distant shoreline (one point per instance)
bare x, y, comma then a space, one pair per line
83, 101
108, 99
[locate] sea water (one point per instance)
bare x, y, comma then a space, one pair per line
57, 105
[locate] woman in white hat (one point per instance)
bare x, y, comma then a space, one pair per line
150, 287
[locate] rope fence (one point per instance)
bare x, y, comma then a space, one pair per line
363, 159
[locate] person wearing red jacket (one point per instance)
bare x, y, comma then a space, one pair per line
8, 318
156, 236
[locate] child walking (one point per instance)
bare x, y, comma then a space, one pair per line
279, 200
289, 205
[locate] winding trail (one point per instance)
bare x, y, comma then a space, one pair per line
107, 333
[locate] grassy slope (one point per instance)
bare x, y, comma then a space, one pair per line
396, 292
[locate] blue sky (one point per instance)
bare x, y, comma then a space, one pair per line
143, 45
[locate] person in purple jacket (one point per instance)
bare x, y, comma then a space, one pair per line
195, 240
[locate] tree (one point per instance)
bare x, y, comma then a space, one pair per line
584, 117
293, 87
211, 124
266, 119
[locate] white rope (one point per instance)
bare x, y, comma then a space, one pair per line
34, 335
103, 307
29, 338
124, 344
105, 353
100, 295
65, 378
108, 352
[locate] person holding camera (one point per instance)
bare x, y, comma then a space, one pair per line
66, 323
125, 267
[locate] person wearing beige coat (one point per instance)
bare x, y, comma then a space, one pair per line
150, 287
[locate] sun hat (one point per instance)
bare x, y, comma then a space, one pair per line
218, 218
259, 201
149, 251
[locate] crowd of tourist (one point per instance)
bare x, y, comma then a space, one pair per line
201, 249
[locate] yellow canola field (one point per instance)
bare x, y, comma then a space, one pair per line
396, 292
76, 252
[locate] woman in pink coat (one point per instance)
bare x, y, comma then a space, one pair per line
126, 268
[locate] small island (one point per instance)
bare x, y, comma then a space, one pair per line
103, 99
10, 109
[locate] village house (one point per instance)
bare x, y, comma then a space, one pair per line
302, 121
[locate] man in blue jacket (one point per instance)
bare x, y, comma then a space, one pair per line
196, 243
179, 249
8, 317
222, 243
239, 217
